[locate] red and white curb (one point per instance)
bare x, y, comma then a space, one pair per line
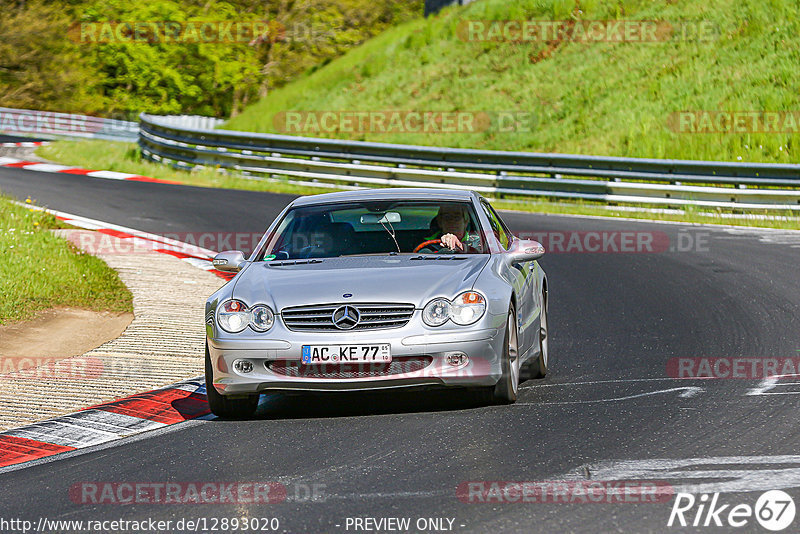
194, 255
105, 422
24, 144
66, 169
125, 417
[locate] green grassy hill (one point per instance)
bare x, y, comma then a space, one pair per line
587, 97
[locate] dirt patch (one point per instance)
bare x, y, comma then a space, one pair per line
61, 333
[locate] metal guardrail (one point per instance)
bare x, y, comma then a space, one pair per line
434, 6
315, 161
49, 124
197, 122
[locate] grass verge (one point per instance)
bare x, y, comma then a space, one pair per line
582, 96
40, 270
124, 157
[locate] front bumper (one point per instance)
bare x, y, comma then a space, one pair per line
482, 343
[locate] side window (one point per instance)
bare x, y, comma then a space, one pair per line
502, 223
498, 227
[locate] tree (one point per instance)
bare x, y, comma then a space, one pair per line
39, 67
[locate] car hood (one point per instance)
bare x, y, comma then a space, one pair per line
396, 279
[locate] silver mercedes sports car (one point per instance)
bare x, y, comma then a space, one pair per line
379, 288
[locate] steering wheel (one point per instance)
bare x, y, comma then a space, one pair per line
430, 242
306, 252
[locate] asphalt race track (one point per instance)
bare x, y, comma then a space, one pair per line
617, 320
17, 138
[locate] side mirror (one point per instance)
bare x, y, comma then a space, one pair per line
523, 250
230, 261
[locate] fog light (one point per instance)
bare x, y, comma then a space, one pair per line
456, 358
242, 366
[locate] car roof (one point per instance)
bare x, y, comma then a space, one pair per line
393, 193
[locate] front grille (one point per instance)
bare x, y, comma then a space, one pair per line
319, 318
397, 366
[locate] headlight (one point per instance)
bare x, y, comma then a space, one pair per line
467, 308
463, 310
233, 316
261, 318
437, 312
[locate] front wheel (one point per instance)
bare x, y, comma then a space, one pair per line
226, 407
505, 391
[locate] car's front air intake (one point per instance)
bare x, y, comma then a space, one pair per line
398, 366
346, 316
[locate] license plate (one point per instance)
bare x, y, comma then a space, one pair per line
322, 354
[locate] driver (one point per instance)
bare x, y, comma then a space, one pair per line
453, 220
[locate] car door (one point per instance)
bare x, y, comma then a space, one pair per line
524, 285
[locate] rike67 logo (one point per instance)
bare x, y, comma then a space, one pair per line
774, 510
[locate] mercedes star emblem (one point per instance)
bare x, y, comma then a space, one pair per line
345, 317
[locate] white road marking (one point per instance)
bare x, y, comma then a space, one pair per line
64, 434
192, 385
687, 393
703, 225
200, 264
733, 474
771, 382
617, 381
381, 495
85, 428
47, 167
774, 236
111, 175
94, 224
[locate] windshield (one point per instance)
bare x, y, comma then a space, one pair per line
358, 228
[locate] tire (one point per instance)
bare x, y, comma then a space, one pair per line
506, 389
537, 368
226, 407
